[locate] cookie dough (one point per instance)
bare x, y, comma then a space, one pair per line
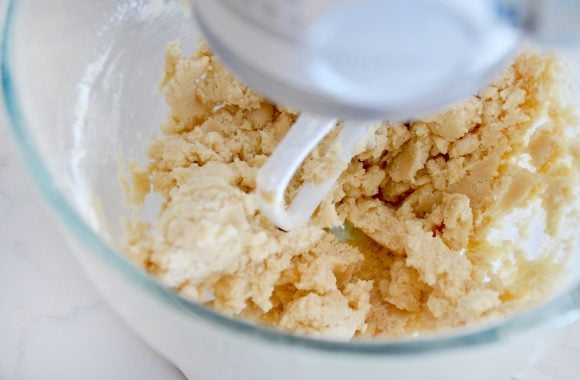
412, 237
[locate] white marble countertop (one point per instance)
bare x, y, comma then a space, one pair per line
54, 325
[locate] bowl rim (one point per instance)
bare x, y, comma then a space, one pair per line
559, 311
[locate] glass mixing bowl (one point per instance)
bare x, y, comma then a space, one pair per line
78, 82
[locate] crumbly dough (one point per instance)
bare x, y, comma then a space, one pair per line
405, 241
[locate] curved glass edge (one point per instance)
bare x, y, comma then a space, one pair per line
555, 311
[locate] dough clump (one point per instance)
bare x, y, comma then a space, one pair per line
410, 238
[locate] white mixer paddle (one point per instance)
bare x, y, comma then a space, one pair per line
275, 176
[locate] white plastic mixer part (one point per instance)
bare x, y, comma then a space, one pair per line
362, 59
275, 176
